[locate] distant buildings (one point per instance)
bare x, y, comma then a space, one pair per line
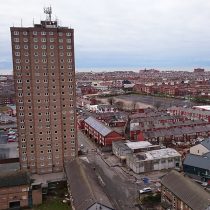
199, 70
179, 192
195, 113
44, 75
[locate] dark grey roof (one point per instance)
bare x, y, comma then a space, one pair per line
98, 126
188, 191
206, 143
84, 187
177, 131
198, 161
13, 179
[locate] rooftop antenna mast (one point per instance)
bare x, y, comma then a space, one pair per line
48, 12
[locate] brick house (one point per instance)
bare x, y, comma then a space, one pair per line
15, 191
100, 133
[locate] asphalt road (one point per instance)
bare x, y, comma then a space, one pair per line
152, 100
119, 187
7, 150
3, 137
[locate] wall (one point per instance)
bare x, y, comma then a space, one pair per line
37, 196
10, 194
198, 150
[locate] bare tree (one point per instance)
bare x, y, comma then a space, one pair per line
134, 105
157, 104
120, 105
110, 100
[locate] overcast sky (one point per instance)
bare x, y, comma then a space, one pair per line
121, 33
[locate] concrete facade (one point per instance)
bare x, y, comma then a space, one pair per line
153, 160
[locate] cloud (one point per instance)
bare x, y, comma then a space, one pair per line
156, 31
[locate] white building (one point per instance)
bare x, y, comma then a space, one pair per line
153, 160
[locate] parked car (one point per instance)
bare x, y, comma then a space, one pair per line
145, 190
11, 132
11, 140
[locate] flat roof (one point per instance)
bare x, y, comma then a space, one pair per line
138, 145
161, 153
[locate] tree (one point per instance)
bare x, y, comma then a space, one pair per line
120, 105
110, 100
133, 105
157, 104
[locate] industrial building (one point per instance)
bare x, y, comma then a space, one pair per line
143, 156
153, 160
122, 148
197, 162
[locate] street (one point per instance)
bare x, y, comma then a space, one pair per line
120, 187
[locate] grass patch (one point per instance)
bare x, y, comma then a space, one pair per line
53, 204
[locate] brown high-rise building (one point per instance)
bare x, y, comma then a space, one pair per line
44, 74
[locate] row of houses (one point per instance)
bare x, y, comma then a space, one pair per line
141, 127
168, 136
181, 89
194, 113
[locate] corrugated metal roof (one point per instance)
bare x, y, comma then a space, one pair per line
198, 161
206, 143
187, 190
98, 126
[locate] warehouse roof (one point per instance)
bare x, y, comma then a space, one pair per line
198, 161
98, 126
186, 190
206, 143
13, 179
